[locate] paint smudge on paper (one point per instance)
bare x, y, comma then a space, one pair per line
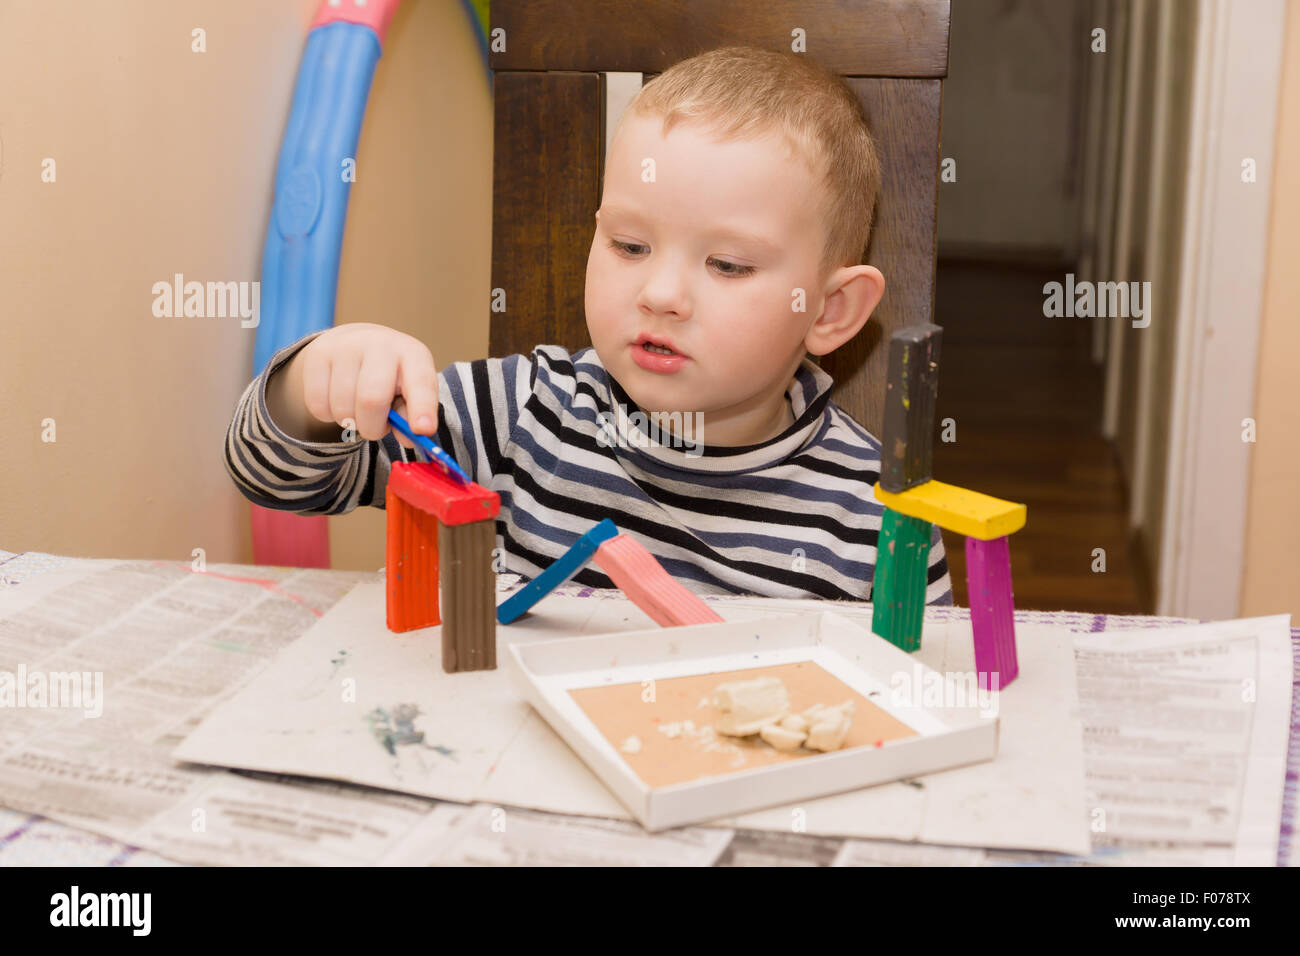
338, 661
397, 729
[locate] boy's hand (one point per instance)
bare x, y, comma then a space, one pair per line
356, 371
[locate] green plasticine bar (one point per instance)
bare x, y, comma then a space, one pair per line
898, 591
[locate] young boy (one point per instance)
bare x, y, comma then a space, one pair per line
727, 246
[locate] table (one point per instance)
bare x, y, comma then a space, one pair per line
27, 839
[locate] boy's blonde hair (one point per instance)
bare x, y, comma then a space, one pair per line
743, 92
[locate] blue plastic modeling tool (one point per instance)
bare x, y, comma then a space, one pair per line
432, 450
563, 568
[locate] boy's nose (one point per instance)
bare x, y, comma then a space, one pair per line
665, 293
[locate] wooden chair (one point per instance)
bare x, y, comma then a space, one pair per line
549, 101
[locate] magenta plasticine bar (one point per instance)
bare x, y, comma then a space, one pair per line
988, 579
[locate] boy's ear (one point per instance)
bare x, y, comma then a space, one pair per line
852, 294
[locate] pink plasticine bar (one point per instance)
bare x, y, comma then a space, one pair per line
643, 579
988, 581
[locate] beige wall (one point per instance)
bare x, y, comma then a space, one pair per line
1272, 553
165, 163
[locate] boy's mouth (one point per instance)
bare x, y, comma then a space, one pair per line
658, 345
657, 356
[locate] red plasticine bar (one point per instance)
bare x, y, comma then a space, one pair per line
424, 485
635, 571
440, 537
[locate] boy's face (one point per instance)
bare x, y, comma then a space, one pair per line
715, 239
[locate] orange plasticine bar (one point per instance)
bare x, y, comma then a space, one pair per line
635, 571
410, 566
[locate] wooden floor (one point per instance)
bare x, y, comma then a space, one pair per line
1027, 404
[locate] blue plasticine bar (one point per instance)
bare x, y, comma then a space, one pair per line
564, 567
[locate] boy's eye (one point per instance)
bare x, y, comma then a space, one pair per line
729, 269
627, 248
733, 268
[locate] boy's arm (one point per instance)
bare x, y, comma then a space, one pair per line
290, 413
290, 461
295, 463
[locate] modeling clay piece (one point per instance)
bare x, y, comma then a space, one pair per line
796, 722
828, 731
914, 502
828, 725
560, 570
906, 458
631, 746
635, 571
762, 706
411, 565
781, 738
898, 592
469, 626
747, 706
440, 536
957, 509
992, 617
911, 388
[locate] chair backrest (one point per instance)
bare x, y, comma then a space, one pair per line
549, 101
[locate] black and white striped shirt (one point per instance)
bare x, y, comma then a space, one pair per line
560, 441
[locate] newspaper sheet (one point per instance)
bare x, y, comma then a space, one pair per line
484, 835
1185, 732
155, 645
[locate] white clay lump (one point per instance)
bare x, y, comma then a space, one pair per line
631, 746
781, 738
796, 722
830, 725
746, 706
762, 706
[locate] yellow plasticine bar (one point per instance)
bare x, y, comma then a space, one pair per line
957, 509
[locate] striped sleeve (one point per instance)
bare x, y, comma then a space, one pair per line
275, 470
476, 414
938, 588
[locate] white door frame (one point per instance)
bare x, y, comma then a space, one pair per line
1224, 248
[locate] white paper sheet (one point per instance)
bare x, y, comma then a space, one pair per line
296, 718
